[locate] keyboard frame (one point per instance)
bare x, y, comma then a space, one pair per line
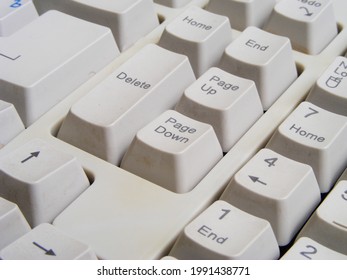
160, 215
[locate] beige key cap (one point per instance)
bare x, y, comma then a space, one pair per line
243, 13
12, 223
271, 186
200, 35
310, 25
45, 242
229, 103
307, 249
10, 123
41, 180
129, 20
316, 137
328, 224
223, 231
265, 58
329, 92
37, 61
173, 151
105, 121
14, 14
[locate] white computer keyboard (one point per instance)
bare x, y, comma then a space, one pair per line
250, 197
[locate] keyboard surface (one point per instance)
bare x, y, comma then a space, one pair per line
120, 215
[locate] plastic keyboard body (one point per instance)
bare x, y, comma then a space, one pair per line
123, 216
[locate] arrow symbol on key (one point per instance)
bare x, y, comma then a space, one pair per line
307, 11
34, 154
49, 252
256, 180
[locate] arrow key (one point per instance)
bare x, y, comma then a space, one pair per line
310, 25
271, 186
41, 180
45, 242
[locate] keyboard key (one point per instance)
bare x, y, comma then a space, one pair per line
310, 25
243, 13
200, 35
129, 20
172, 3
105, 121
308, 249
45, 242
229, 103
270, 187
36, 59
316, 137
10, 123
14, 14
41, 180
328, 224
329, 92
225, 232
12, 223
165, 151
265, 58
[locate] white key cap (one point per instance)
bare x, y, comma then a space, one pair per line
14, 14
310, 25
200, 35
229, 103
243, 13
172, 3
35, 60
223, 231
10, 123
129, 20
328, 224
105, 121
308, 249
329, 92
316, 137
265, 58
12, 223
173, 151
271, 186
41, 180
45, 242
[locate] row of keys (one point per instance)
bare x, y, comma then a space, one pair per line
310, 25
205, 37
224, 231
